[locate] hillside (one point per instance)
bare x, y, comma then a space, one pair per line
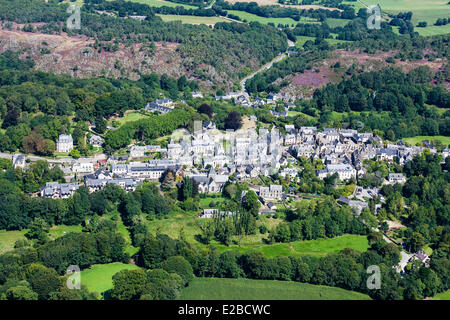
246, 289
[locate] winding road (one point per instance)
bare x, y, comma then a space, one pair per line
266, 66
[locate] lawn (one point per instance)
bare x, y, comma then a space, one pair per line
333, 23
61, 230
319, 247
162, 3
442, 296
98, 278
192, 19
248, 289
431, 30
301, 40
416, 139
250, 17
204, 202
8, 238
130, 116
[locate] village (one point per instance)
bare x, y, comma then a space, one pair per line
212, 157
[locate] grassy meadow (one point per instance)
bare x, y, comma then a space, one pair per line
319, 247
442, 296
98, 278
416, 139
249, 17
192, 19
247, 289
428, 11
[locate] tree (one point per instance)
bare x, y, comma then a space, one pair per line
168, 181
251, 203
100, 124
129, 284
38, 229
206, 109
233, 121
180, 266
415, 242
21, 293
43, 280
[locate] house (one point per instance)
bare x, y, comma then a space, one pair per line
273, 192
289, 105
64, 143
98, 184
141, 151
152, 107
344, 171
83, 167
210, 213
211, 182
356, 205
271, 206
209, 125
394, 178
197, 94
58, 190
18, 161
96, 141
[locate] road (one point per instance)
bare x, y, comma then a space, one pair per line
210, 6
266, 66
61, 160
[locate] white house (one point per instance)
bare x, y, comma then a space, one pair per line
64, 143
83, 167
274, 192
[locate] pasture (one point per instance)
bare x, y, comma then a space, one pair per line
162, 3
249, 17
249, 289
98, 278
192, 19
319, 247
428, 11
8, 238
442, 296
417, 139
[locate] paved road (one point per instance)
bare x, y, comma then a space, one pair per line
266, 66
56, 160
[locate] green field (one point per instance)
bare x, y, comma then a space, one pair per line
433, 30
248, 289
98, 278
319, 247
8, 238
61, 230
249, 17
130, 116
302, 39
442, 296
333, 23
162, 3
414, 140
429, 11
192, 19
